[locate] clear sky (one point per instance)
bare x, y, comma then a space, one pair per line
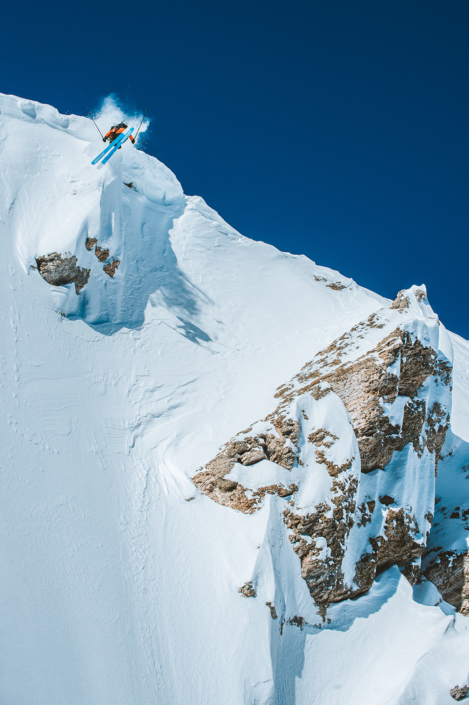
332, 128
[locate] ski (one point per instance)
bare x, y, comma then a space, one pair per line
124, 138
116, 143
105, 151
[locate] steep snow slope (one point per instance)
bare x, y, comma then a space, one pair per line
115, 588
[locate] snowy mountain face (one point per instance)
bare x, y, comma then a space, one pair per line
229, 475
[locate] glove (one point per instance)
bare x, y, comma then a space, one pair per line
104, 139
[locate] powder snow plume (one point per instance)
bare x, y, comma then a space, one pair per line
112, 111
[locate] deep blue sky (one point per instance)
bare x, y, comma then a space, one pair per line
332, 128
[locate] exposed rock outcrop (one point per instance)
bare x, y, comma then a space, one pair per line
398, 545
395, 387
401, 302
111, 267
90, 242
337, 286
248, 590
458, 693
450, 574
420, 295
59, 270
101, 253
278, 445
323, 573
397, 366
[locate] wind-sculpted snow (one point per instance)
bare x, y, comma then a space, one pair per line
149, 335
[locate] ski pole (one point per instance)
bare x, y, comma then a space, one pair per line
95, 124
143, 118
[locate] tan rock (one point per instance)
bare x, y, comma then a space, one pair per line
458, 693
399, 365
450, 574
226, 485
111, 267
90, 242
362, 385
58, 270
101, 253
248, 590
401, 302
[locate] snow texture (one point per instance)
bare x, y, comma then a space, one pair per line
116, 589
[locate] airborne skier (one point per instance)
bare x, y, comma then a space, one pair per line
116, 137
115, 131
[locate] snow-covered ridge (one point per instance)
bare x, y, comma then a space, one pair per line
125, 583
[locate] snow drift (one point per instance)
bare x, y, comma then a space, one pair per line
218, 467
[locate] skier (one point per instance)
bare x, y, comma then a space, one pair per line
115, 131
